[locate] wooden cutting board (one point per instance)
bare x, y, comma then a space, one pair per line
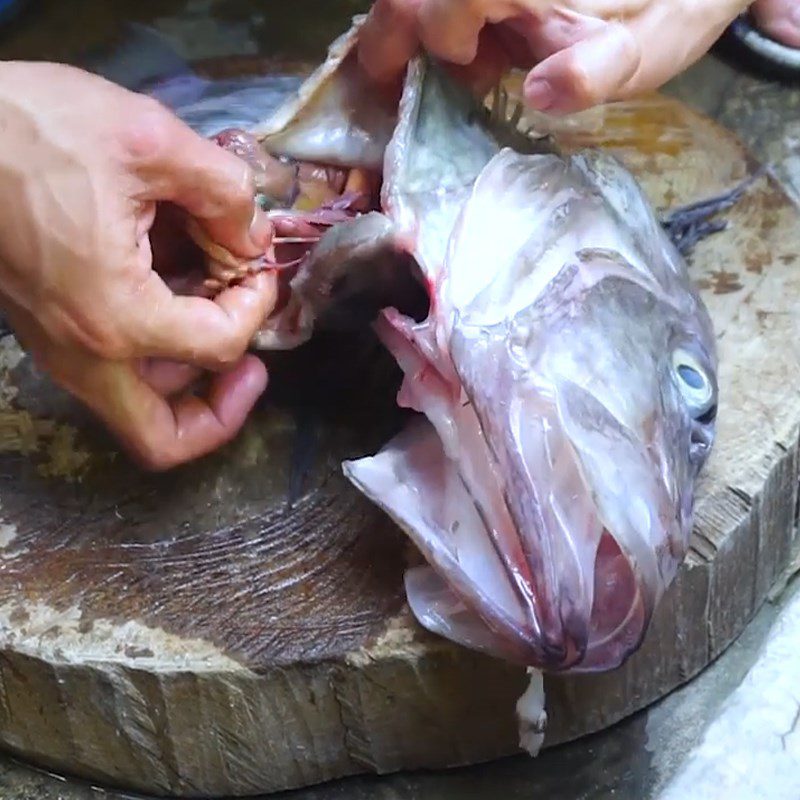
239, 627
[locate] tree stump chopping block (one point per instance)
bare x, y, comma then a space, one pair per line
239, 626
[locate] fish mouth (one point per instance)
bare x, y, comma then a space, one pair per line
586, 597
620, 612
520, 562
481, 589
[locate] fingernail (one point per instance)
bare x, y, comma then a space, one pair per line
539, 94
260, 230
794, 16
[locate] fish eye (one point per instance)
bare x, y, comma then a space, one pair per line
695, 386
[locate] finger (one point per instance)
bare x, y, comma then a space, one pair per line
450, 29
615, 9
213, 185
669, 49
161, 434
389, 39
212, 334
590, 72
167, 377
490, 64
158, 433
557, 29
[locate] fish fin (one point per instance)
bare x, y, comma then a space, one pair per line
339, 98
510, 123
688, 225
413, 481
439, 146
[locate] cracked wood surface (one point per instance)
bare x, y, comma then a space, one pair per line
238, 627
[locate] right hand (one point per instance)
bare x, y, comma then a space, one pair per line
83, 165
580, 53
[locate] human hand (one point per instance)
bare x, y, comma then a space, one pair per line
83, 165
582, 52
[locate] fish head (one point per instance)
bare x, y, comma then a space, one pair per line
597, 416
591, 370
568, 373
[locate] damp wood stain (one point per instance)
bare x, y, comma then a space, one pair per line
754, 263
724, 282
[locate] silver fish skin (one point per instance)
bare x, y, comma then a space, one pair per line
565, 377
337, 117
567, 372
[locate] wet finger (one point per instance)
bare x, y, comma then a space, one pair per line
450, 29
586, 74
212, 334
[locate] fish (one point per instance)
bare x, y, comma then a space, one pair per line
564, 379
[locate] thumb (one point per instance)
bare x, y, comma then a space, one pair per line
590, 72
213, 185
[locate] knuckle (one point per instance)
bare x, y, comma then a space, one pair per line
407, 10
399, 18
404, 9
112, 349
630, 51
145, 134
110, 345
585, 89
